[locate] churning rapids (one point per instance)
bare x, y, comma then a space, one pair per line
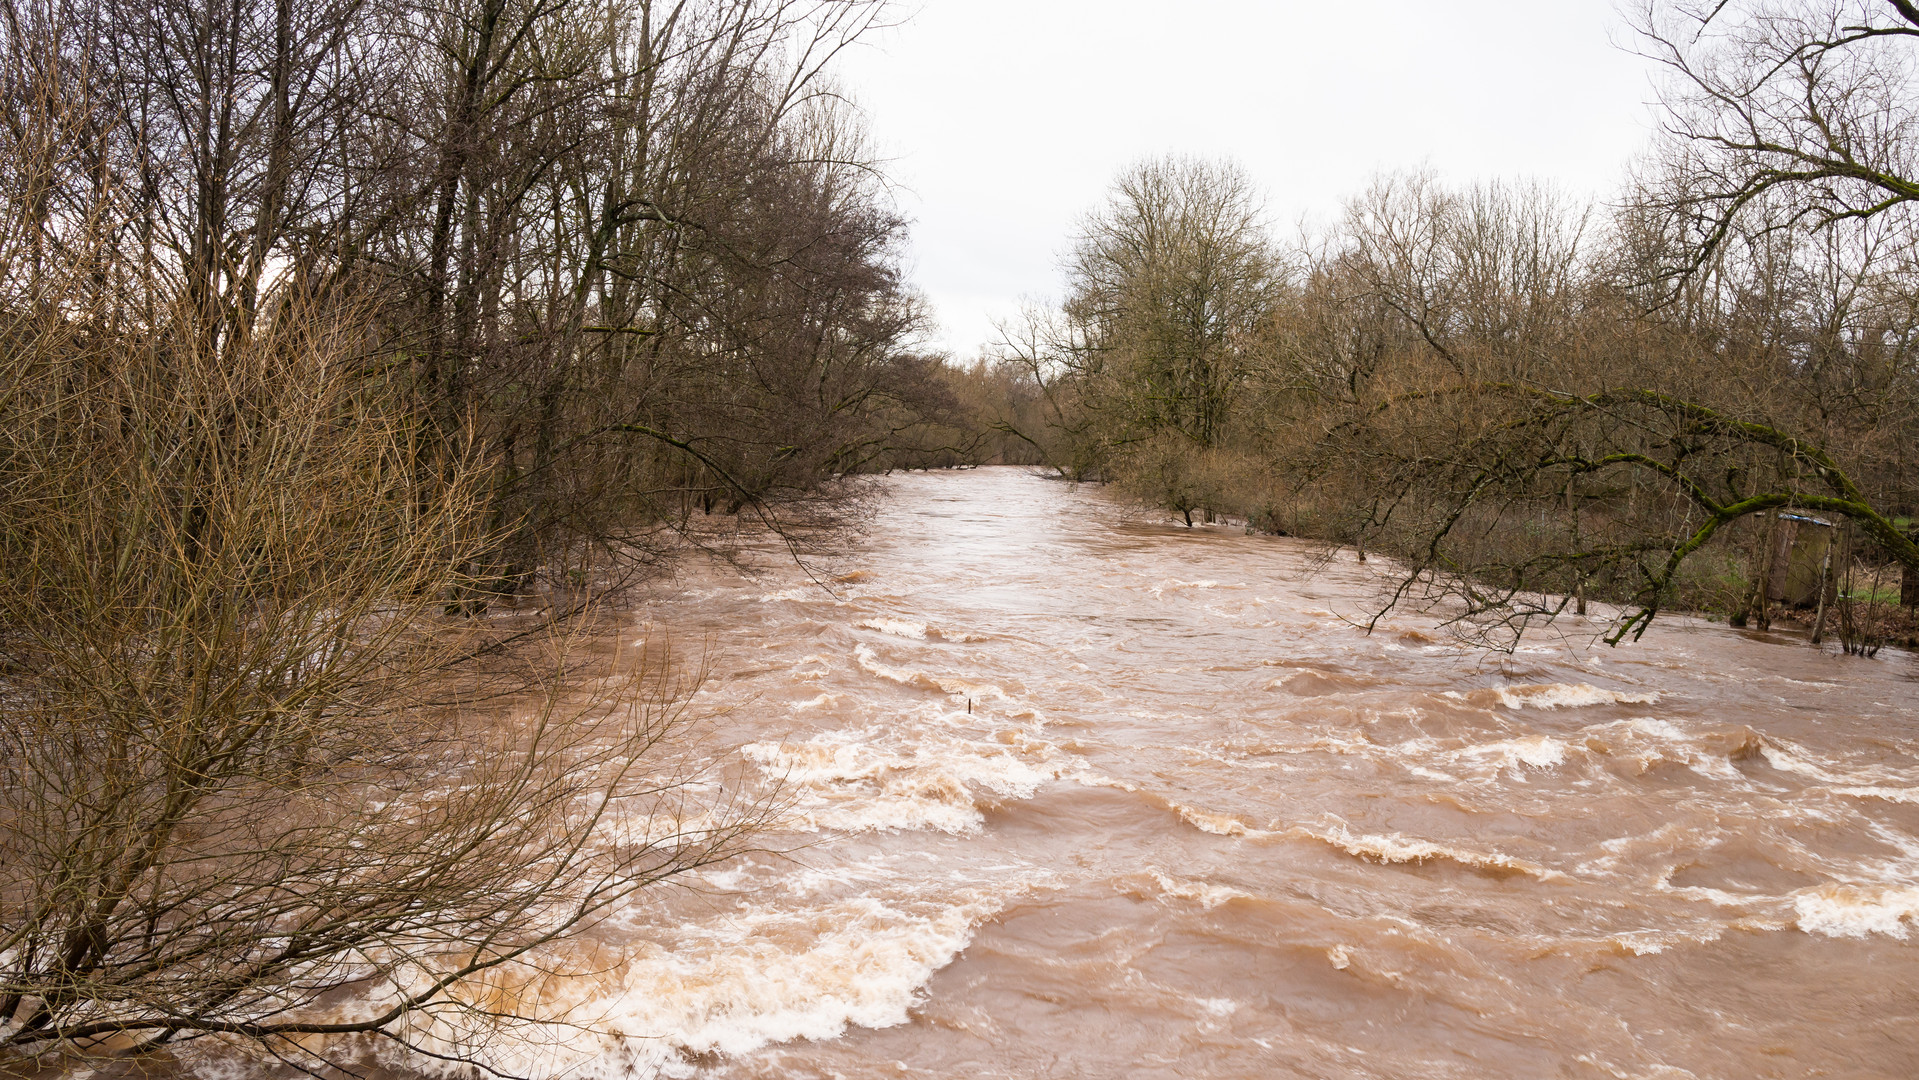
1196, 824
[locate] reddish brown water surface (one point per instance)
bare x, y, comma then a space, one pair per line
1197, 825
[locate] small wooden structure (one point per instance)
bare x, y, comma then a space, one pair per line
1801, 554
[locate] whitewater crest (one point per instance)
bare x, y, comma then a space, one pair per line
903, 628
1888, 794
952, 685
1371, 846
914, 630
1552, 696
1206, 894
1397, 848
858, 781
1176, 585
1532, 752
759, 977
1856, 911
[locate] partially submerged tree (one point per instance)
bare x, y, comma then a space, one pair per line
1530, 495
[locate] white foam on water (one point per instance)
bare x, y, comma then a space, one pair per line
1857, 911
788, 594
1567, 696
869, 662
918, 631
1652, 725
1093, 779
1648, 942
1217, 824
1398, 848
853, 781
1207, 894
1536, 752
1161, 589
1651, 941
1869, 781
1781, 756
1648, 741
1657, 846
1888, 794
801, 670
728, 986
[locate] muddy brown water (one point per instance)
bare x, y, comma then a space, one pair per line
1195, 824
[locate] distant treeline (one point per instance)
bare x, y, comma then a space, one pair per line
1526, 398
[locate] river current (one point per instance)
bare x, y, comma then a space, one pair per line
1073, 793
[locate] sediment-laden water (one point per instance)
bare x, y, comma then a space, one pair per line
1075, 795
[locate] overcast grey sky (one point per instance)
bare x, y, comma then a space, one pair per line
1006, 119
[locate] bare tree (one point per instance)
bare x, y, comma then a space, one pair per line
1811, 100
237, 779
609, 245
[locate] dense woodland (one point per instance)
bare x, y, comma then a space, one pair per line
618, 265
346, 350
349, 347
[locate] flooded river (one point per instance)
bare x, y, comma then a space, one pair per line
1074, 794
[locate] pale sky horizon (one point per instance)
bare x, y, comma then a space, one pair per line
1004, 121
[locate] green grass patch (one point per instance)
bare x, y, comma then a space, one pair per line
1885, 594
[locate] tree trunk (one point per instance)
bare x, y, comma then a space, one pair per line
1909, 583
1762, 589
1827, 585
